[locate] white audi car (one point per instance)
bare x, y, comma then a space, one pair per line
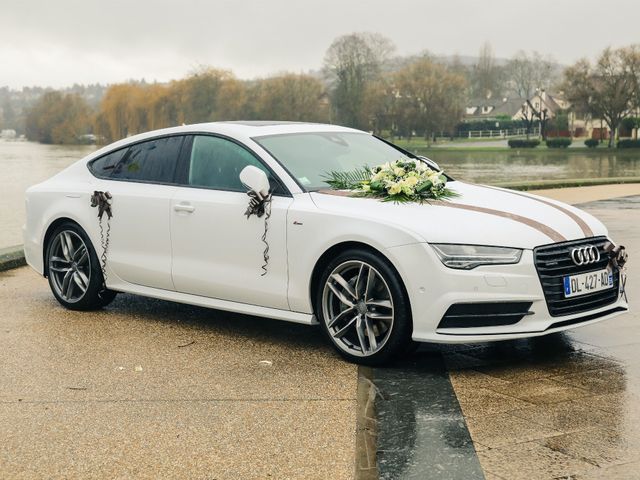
165, 214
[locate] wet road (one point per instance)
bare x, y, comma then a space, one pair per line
565, 405
152, 389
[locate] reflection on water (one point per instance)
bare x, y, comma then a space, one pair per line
508, 166
23, 164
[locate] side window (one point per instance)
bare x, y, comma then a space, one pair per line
103, 166
152, 161
216, 163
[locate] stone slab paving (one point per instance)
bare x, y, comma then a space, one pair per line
566, 405
154, 389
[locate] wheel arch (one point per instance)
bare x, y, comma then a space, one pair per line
337, 249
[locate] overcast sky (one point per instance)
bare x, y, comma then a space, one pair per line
61, 42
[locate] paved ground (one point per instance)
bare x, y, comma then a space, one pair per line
566, 405
152, 389
583, 195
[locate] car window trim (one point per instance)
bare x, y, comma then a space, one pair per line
187, 158
133, 144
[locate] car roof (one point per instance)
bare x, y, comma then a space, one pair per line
241, 129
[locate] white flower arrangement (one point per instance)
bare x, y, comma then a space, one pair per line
399, 181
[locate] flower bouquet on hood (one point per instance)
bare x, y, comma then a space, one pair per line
401, 181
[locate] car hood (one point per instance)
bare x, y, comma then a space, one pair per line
481, 215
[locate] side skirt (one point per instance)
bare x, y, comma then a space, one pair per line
225, 305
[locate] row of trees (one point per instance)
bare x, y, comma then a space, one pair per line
362, 84
356, 88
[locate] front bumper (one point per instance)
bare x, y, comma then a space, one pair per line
433, 288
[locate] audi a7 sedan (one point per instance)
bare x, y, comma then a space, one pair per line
165, 214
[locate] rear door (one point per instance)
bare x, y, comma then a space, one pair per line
141, 179
217, 251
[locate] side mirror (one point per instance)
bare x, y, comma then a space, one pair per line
430, 162
255, 180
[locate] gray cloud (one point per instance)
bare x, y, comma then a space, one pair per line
59, 42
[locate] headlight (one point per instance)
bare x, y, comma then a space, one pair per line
467, 257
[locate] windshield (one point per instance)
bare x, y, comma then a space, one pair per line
310, 156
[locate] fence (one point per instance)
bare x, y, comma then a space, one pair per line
513, 132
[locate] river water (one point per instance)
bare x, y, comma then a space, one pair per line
25, 163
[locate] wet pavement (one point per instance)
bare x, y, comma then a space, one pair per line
153, 389
566, 405
421, 429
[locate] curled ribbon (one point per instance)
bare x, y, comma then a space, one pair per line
102, 200
261, 206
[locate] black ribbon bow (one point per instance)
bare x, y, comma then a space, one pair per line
256, 204
618, 257
102, 200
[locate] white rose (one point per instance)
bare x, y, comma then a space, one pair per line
395, 188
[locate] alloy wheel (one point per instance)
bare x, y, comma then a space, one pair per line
357, 307
69, 266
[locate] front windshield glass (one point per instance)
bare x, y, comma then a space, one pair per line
310, 156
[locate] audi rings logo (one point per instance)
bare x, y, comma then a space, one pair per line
585, 255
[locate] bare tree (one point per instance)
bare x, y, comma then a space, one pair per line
606, 89
525, 73
486, 75
430, 98
352, 63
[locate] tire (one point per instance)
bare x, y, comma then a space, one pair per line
363, 308
74, 272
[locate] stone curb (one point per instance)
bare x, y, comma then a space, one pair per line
11, 257
575, 182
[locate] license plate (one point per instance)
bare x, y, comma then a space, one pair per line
585, 283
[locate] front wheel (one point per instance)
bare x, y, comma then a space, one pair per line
74, 270
363, 308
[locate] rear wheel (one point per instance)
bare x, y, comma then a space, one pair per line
362, 308
74, 270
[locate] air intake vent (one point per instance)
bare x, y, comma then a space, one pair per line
484, 314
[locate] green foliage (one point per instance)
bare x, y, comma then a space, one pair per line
592, 142
629, 143
523, 143
559, 122
559, 142
630, 123
348, 180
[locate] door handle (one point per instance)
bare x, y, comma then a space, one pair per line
184, 207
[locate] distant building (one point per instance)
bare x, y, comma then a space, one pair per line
8, 134
492, 108
543, 101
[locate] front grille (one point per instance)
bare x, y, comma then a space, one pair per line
484, 314
553, 262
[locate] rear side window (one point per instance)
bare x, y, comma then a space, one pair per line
152, 161
103, 166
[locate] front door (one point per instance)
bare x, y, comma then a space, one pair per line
217, 251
